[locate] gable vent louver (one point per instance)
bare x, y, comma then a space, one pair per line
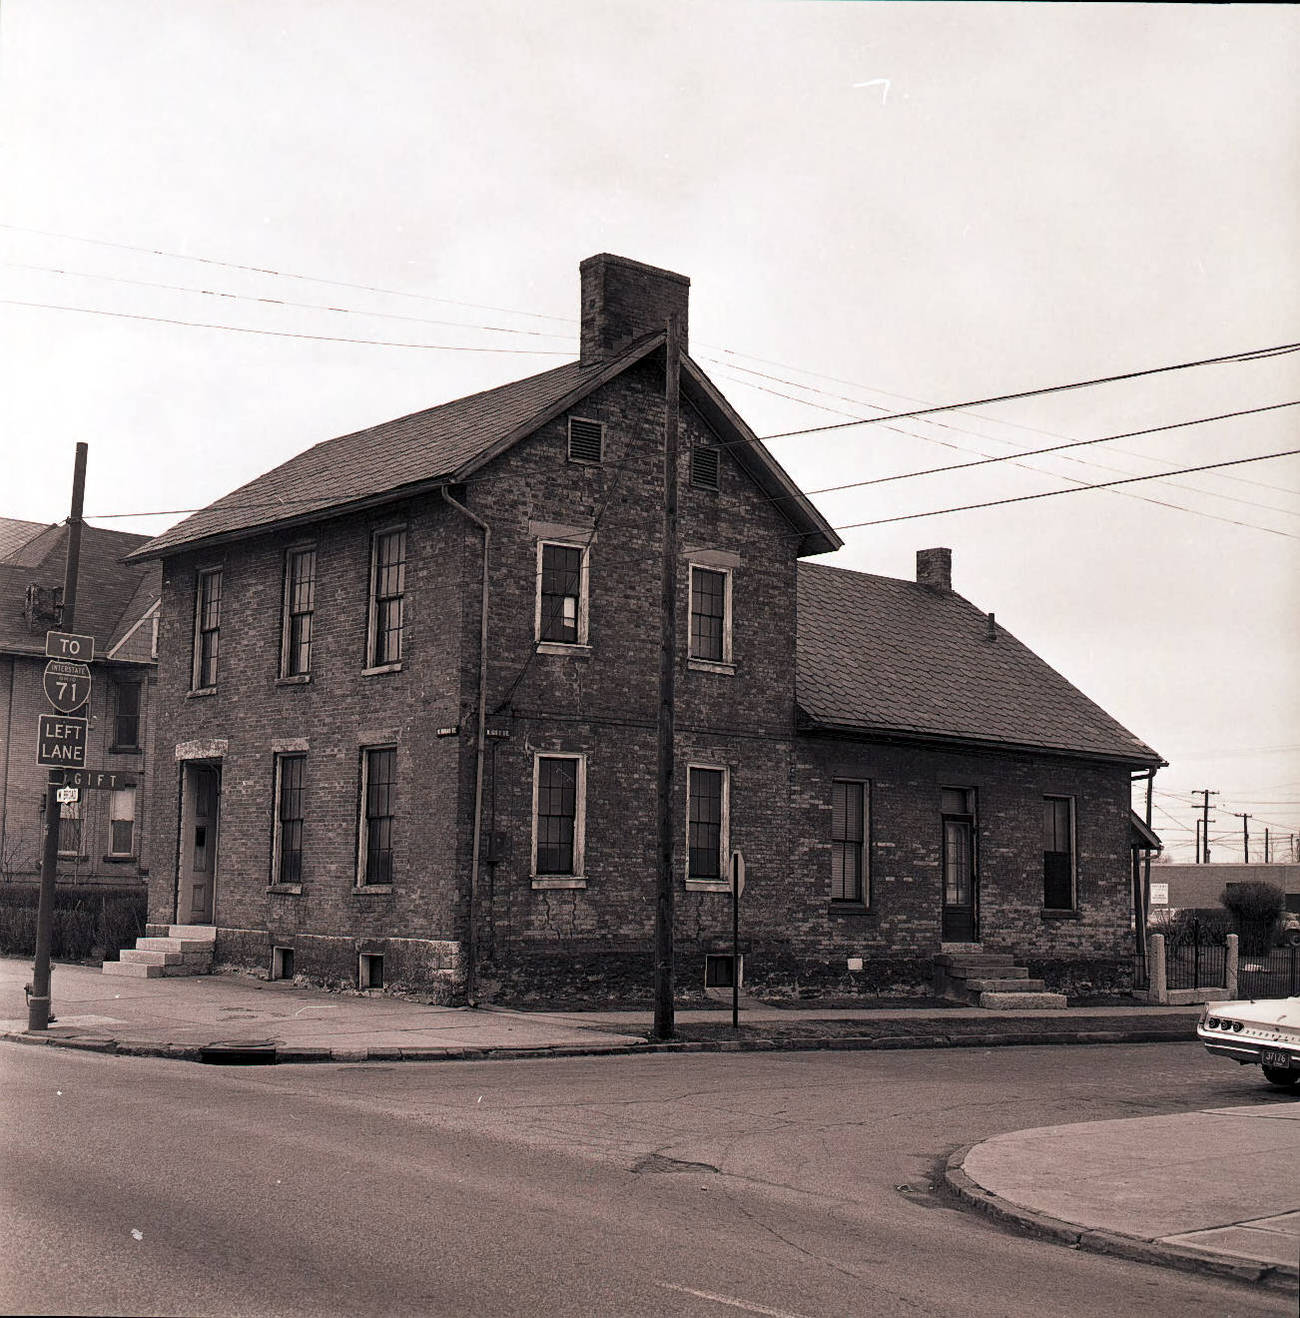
586, 439
704, 468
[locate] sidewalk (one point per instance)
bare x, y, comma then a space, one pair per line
1217, 1191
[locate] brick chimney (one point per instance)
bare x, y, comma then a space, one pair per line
934, 568
623, 300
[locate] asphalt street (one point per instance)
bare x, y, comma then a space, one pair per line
778, 1184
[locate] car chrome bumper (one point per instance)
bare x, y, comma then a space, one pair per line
1248, 1050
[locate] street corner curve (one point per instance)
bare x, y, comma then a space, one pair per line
972, 1193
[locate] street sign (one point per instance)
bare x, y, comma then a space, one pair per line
61, 742
68, 645
104, 780
738, 873
67, 685
67, 796
1159, 894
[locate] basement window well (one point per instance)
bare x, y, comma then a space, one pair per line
370, 970
719, 971
282, 963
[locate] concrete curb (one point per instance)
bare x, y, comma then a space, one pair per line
293, 1054
1272, 1277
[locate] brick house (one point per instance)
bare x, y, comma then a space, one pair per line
331, 809
117, 603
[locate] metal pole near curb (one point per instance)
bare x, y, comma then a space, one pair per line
737, 887
38, 1003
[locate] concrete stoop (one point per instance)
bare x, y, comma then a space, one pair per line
186, 949
991, 980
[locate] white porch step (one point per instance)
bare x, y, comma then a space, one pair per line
1022, 1001
133, 969
185, 949
193, 933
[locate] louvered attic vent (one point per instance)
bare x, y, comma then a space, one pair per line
704, 468
585, 440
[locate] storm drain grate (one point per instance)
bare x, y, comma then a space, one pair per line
239, 1052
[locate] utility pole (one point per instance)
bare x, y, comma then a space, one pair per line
38, 1003
1206, 793
1245, 834
1266, 861
663, 986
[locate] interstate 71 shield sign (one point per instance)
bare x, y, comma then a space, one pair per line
67, 685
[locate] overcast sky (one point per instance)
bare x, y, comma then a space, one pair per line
880, 206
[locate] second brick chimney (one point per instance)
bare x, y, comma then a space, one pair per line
934, 568
623, 300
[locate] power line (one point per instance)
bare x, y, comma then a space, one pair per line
1255, 354
281, 302
281, 274
1101, 485
284, 334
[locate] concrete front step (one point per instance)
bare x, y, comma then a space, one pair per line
185, 949
1006, 984
1022, 1001
133, 969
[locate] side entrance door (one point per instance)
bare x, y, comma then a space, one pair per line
960, 867
201, 805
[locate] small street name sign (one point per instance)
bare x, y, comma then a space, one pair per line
61, 742
68, 645
67, 796
67, 685
104, 780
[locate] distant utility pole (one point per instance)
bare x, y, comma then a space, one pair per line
1245, 834
1266, 846
1203, 856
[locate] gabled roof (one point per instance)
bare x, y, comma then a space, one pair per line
15, 534
110, 592
446, 444
883, 656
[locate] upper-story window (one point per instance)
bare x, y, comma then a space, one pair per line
299, 611
207, 628
561, 615
710, 615
1058, 853
126, 715
387, 596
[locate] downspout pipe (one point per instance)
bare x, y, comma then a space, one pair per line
471, 939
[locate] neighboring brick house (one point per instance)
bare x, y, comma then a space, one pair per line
859, 739
117, 603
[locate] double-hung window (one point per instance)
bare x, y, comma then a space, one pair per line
559, 810
207, 628
850, 881
561, 614
706, 825
710, 615
378, 814
299, 610
287, 862
126, 716
387, 597
1058, 853
70, 828
121, 822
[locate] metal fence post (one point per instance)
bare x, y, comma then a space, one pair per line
1158, 991
1230, 967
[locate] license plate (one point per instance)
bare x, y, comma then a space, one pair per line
1274, 1057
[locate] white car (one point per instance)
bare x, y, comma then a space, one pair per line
1265, 1033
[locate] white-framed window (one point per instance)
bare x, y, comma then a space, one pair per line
387, 597
121, 822
559, 819
378, 815
560, 616
710, 640
850, 851
1059, 891
299, 611
708, 827
207, 628
286, 852
70, 816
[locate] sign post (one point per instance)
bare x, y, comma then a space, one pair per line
737, 887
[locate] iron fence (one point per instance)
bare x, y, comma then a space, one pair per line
1273, 974
1196, 956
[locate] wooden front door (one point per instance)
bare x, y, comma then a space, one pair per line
960, 868
199, 843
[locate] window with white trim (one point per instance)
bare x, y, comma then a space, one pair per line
850, 878
378, 815
121, 822
710, 615
561, 611
70, 827
299, 612
559, 815
707, 824
207, 628
387, 597
1058, 853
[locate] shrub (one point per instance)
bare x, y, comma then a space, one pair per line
1255, 909
83, 921
1183, 927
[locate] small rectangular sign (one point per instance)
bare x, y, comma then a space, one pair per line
1159, 894
103, 780
67, 796
61, 742
68, 645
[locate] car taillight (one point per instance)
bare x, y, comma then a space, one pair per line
1236, 1025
